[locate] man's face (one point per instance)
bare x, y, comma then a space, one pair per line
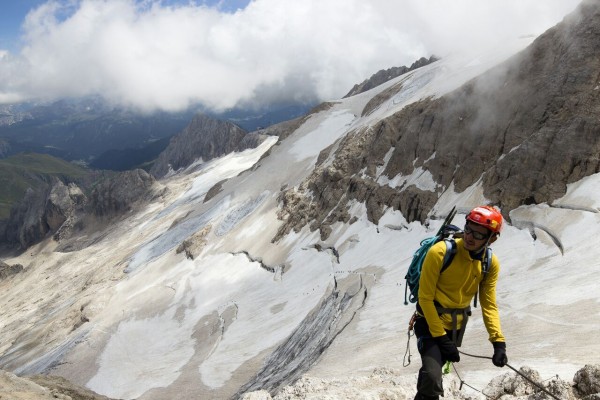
476, 236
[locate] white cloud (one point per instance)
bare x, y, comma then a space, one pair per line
153, 56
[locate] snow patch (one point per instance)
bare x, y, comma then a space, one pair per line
328, 131
146, 356
421, 178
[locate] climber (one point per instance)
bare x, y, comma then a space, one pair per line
444, 299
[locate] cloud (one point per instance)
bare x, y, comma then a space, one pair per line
149, 55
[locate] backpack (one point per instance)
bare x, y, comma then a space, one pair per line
447, 232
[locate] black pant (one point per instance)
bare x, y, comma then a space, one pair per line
429, 382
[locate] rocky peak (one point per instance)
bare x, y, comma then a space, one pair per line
204, 138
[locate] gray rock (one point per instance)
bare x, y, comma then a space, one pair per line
193, 245
204, 138
7, 271
61, 209
119, 194
587, 380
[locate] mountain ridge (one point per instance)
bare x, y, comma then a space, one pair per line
452, 127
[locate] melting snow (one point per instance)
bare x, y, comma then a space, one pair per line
328, 131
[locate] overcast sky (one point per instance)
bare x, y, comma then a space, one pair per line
170, 54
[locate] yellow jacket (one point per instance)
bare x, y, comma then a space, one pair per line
456, 287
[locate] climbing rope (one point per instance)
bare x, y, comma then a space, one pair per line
509, 366
466, 384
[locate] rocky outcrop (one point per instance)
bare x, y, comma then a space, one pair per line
7, 271
283, 129
214, 190
335, 186
41, 212
42, 387
587, 381
385, 75
526, 128
192, 246
388, 383
121, 193
204, 138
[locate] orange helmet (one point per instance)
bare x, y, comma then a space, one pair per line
486, 216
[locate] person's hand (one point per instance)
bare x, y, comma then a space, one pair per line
447, 348
499, 358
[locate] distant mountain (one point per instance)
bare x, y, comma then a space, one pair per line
84, 129
204, 138
111, 138
13, 113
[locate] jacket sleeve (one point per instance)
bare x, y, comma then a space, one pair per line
487, 299
430, 274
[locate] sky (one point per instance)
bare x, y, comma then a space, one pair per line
168, 55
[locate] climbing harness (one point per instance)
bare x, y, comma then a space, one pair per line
509, 366
457, 333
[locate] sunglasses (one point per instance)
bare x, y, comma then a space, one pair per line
476, 235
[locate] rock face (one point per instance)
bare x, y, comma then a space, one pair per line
193, 245
527, 128
119, 194
42, 212
9, 270
587, 380
60, 209
204, 138
385, 75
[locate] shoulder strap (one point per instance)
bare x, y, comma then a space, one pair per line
487, 261
449, 255
485, 268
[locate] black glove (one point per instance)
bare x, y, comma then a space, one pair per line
447, 348
499, 358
